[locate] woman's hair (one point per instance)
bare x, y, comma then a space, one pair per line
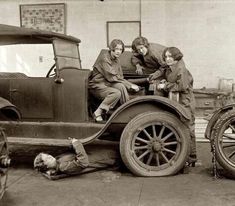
114, 43
39, 163
139, 41
175, 53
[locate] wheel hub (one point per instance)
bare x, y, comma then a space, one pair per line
156, 146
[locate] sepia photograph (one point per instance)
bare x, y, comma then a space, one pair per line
117, 102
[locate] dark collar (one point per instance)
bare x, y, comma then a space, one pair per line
110, 56
178, 64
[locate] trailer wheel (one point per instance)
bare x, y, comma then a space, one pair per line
224, 138
4, 161
155, 144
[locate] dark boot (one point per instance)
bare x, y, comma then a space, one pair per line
192, 159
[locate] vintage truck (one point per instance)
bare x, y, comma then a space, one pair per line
151, 130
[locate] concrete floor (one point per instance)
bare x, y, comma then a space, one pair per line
114, 188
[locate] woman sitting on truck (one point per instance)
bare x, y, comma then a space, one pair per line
107, 82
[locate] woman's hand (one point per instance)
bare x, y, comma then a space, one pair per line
51, 172
135, 87
72, 139
139, 69
154, 76
162, 84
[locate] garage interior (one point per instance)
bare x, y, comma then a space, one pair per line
204, 30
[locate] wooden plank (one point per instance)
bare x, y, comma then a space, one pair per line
51, 142
38, 141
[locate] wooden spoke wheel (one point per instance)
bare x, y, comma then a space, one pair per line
224, 139
155, 144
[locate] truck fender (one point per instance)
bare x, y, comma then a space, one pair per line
128, 111
215, 117
156, 102
8, 110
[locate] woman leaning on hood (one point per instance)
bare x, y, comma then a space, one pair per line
147, 58
179, 79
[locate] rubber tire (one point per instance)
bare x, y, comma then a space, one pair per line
148, 118
218, 130
6, 152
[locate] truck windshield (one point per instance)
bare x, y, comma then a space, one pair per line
34, 60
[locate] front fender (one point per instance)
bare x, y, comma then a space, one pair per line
143, 104
139, 105
215, 117
8, 110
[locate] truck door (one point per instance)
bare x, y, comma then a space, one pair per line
33, 96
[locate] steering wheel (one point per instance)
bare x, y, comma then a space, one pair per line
49, 73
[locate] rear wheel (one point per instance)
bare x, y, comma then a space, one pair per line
155, 144
4, 161
224, 139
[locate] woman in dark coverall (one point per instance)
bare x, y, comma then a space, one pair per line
147, 57
107, 82
73, 162
70, 163
179, 79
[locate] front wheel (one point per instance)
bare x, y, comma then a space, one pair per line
155, 144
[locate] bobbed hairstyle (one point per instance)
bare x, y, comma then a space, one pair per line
38, 163
114, 43
175, 53
139, 41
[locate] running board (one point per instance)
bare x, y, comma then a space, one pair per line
38, 141
52, 142
56, 142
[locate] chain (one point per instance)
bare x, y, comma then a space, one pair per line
215, 173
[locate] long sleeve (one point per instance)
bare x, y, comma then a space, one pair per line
178, 78
81, 153
135, 59
113, 74
126, 83
180, 85
160, 72
73, 163
108, 72
152, 61
155, 55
